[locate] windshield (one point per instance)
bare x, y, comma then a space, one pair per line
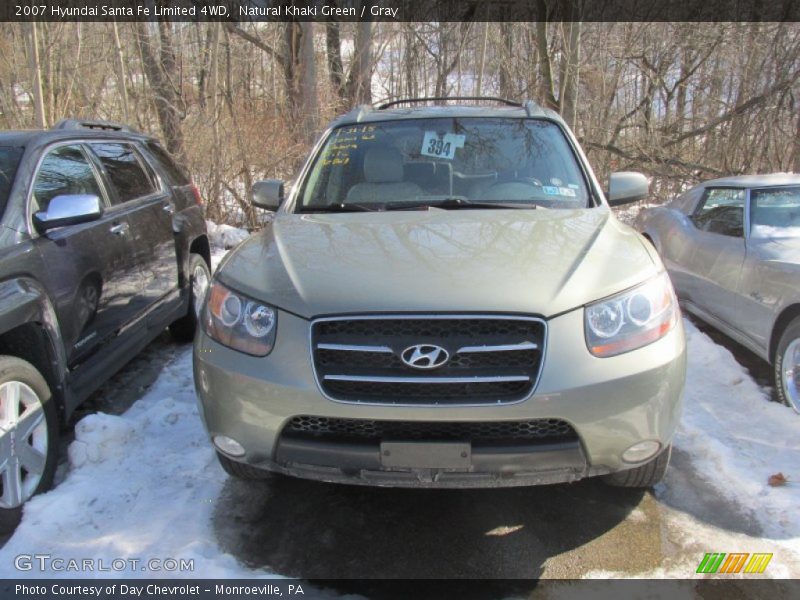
775, 212
9, 161
452, 162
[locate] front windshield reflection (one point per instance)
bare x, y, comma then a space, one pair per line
451, 162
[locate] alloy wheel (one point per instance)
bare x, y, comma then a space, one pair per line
23, 443
791, 374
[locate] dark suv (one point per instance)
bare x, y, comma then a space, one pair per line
102, 245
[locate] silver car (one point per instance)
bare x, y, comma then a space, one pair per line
732, 248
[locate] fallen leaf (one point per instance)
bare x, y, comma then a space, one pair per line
777, 479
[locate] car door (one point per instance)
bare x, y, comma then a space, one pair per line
715, 252
147, 203
92, 276
771, 267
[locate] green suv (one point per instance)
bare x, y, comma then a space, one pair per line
444, 299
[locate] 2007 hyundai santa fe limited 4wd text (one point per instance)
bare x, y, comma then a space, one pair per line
444, 299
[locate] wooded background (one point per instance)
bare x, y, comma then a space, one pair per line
681, 102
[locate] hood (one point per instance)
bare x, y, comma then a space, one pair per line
540, 262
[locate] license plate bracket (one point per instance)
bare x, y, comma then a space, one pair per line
426, 455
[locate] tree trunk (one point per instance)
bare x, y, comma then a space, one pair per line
570, 73
308, 81
333, 46
547, 90
359, 83
120, 64
165, 96
36, 76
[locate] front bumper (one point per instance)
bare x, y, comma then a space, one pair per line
611, 403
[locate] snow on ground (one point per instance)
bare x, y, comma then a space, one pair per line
735, 439
141, 485
144, 484
224, 236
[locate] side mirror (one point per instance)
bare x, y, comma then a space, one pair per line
268, 194
626, 187
68, 209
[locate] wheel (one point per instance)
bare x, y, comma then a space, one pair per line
644, 476
241, 470
28, 438
786, 370
199, 278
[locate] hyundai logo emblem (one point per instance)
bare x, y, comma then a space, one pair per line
424, 356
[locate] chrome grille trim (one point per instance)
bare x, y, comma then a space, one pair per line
502, 348
380, 379
353, 348
532, 378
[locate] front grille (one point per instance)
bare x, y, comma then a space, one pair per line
364, 430
491, 359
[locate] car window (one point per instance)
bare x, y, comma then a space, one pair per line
175, 173
64, 170
775, 212
125, 171
686, 202
721, 211
500, 160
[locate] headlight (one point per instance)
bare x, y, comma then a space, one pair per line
632, 319
239, 322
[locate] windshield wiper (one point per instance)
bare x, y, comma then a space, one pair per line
453, 204
345, 207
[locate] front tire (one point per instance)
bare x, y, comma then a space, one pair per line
28, 438
199, 279
786, 370
644, 476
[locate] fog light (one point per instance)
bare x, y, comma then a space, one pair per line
228, 445
641, 451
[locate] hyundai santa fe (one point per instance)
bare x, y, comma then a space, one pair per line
443, 299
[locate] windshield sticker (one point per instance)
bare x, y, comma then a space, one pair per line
441, 147
552, 190
345, 141
574, 186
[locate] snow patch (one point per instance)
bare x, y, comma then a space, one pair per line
225, 236
98, 438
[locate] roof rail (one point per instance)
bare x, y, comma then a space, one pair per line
533, 109
505, 101
358, 113
91, 124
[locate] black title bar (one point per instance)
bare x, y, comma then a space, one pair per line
399, 10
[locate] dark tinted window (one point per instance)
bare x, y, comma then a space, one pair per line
721, 211
175, 173
9, 161
125, 171
65, 170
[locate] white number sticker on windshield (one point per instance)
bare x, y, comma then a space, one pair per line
441, 146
